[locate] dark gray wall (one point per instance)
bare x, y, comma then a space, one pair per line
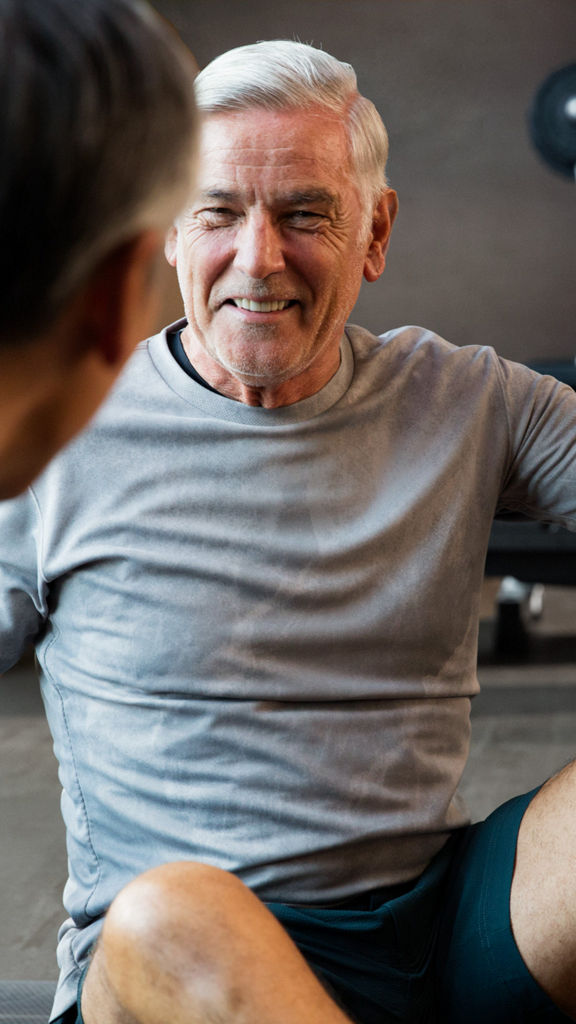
484, 250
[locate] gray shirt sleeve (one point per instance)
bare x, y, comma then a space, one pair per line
23, 591
541, 478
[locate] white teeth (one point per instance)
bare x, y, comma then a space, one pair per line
260, 307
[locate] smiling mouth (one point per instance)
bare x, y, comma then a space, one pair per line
262, 307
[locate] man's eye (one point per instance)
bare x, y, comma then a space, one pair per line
305, 218
218, 215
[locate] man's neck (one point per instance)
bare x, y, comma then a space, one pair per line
270, 394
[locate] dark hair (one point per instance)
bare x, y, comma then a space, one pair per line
96, 121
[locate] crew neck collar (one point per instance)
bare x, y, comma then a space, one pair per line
220, 407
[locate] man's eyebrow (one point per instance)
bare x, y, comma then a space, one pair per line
323, 199
221, 195
295, 197
310, 196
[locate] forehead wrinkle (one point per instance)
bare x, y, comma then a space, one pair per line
256, 156
252, 153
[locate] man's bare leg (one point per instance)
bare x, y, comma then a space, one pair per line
543, 896
189, 944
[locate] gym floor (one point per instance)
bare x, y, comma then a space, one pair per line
524, 729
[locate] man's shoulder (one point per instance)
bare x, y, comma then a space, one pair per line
409, 365
413, 343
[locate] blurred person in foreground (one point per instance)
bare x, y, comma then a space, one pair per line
97, 121
253, 586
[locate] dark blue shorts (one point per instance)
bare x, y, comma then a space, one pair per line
440, 951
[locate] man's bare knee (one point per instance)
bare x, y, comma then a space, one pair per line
158, 956
171, 929
174, 901
543, 896
186, 942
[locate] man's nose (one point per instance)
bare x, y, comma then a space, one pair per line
259, 250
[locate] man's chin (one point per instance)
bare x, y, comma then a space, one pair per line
258, 374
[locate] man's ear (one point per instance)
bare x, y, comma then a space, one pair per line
384, 216
170, 245
121, 298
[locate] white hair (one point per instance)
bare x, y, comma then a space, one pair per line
281, 74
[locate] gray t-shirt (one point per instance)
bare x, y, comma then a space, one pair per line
257, 629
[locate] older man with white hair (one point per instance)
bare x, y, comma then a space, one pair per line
254, 589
